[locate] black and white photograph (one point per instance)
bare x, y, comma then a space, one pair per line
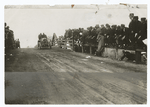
75, 54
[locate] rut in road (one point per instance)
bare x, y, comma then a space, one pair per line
91, 94
63, 77
111, 96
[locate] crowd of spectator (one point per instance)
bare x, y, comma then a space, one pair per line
10, 42
115, 36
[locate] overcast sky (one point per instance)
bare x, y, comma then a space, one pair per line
28, 23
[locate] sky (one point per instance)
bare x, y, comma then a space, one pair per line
28, 22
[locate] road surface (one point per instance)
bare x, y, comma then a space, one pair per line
60, 76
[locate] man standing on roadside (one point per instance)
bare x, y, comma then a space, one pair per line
135, 30
101, 43
143, 28
125, 35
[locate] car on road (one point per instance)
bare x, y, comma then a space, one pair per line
44, 43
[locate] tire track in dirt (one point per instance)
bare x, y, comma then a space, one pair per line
113, 88
64, 86
79, 63
131, 91
79, 94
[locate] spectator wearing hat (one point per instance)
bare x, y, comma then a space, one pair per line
143, 29
10, 39
113, 35
85, 34
102, 26
137, 32
137, 26
89, 35
110, 36
131, 15
94, 34
135, 29
40, 36
97, 26
131, 38
118, 36
142, 35
101, 43
44, 36
107, 35
103, 29
125, 35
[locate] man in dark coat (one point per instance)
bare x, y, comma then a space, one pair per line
113, 35
84, 38
17, 43
40, 36
143, 28
6, 36
44, 36
101, 43
10, 39
125, 35
107, 35
89, 34
94, 34
76, 34
137, 25
119, 37
135, 30
131, 28
142, 34
131, 37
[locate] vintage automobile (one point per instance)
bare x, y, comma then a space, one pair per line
44, 43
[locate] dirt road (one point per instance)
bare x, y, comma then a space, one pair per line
60, 76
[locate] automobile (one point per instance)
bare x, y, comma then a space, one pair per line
44, 43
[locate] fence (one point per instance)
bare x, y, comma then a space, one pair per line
108, 52
66, 44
